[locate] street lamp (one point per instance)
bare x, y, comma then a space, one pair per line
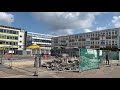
101, 43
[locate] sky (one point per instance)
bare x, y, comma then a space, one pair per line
61, 23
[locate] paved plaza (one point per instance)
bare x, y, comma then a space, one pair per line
24, 68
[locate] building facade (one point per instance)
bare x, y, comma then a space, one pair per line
103, 39
14, 37
43, 40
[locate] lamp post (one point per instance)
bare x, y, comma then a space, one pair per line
101, 44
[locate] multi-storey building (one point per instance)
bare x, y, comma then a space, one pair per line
103, 39
14, 37
43, 40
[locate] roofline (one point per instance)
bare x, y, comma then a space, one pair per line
10, 27
41, 34
88, 32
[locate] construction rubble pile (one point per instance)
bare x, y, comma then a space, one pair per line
62, 64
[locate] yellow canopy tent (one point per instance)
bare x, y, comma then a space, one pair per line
34, 46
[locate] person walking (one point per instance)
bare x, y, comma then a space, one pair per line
107, 58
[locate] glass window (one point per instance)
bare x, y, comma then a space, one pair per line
4, 31
11, 31
11, 37
0, 42
8, 31
106, 33
112, 32
1, 30
109, 33
14, 32
109, 42
10, 43
7, 43
106, 42
115, 32
8, 37
16, 43
3, 37
113, 42
16, 38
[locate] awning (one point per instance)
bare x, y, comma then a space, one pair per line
34, 46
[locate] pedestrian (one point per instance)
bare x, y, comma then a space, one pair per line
107, 58
42, 54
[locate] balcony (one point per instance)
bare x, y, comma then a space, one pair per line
108, 46
114, 36
114, 46
96, 46
96, 38
108, 37
91, 46
83, 39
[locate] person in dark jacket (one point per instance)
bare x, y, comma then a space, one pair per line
42, 54
107, 58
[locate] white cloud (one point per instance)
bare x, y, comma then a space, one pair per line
6, 18
87, 30
61, 32
100, 28
116, 21
67, 22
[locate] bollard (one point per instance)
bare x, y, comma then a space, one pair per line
36, 65
39, 60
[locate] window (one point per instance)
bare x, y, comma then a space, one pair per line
109, 33
0, 42
16, 43
8, 31
13, 43
109, 42
112, 32
7, 43
115, 42
106, 33
112, 42
14, 32
115, 32
3, 37
10, 43
16, 38
8, 37
106, 42
1, 30
4, 31
96, 34
11, 31
96, 43
102, 42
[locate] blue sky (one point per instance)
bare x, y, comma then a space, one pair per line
59, 23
